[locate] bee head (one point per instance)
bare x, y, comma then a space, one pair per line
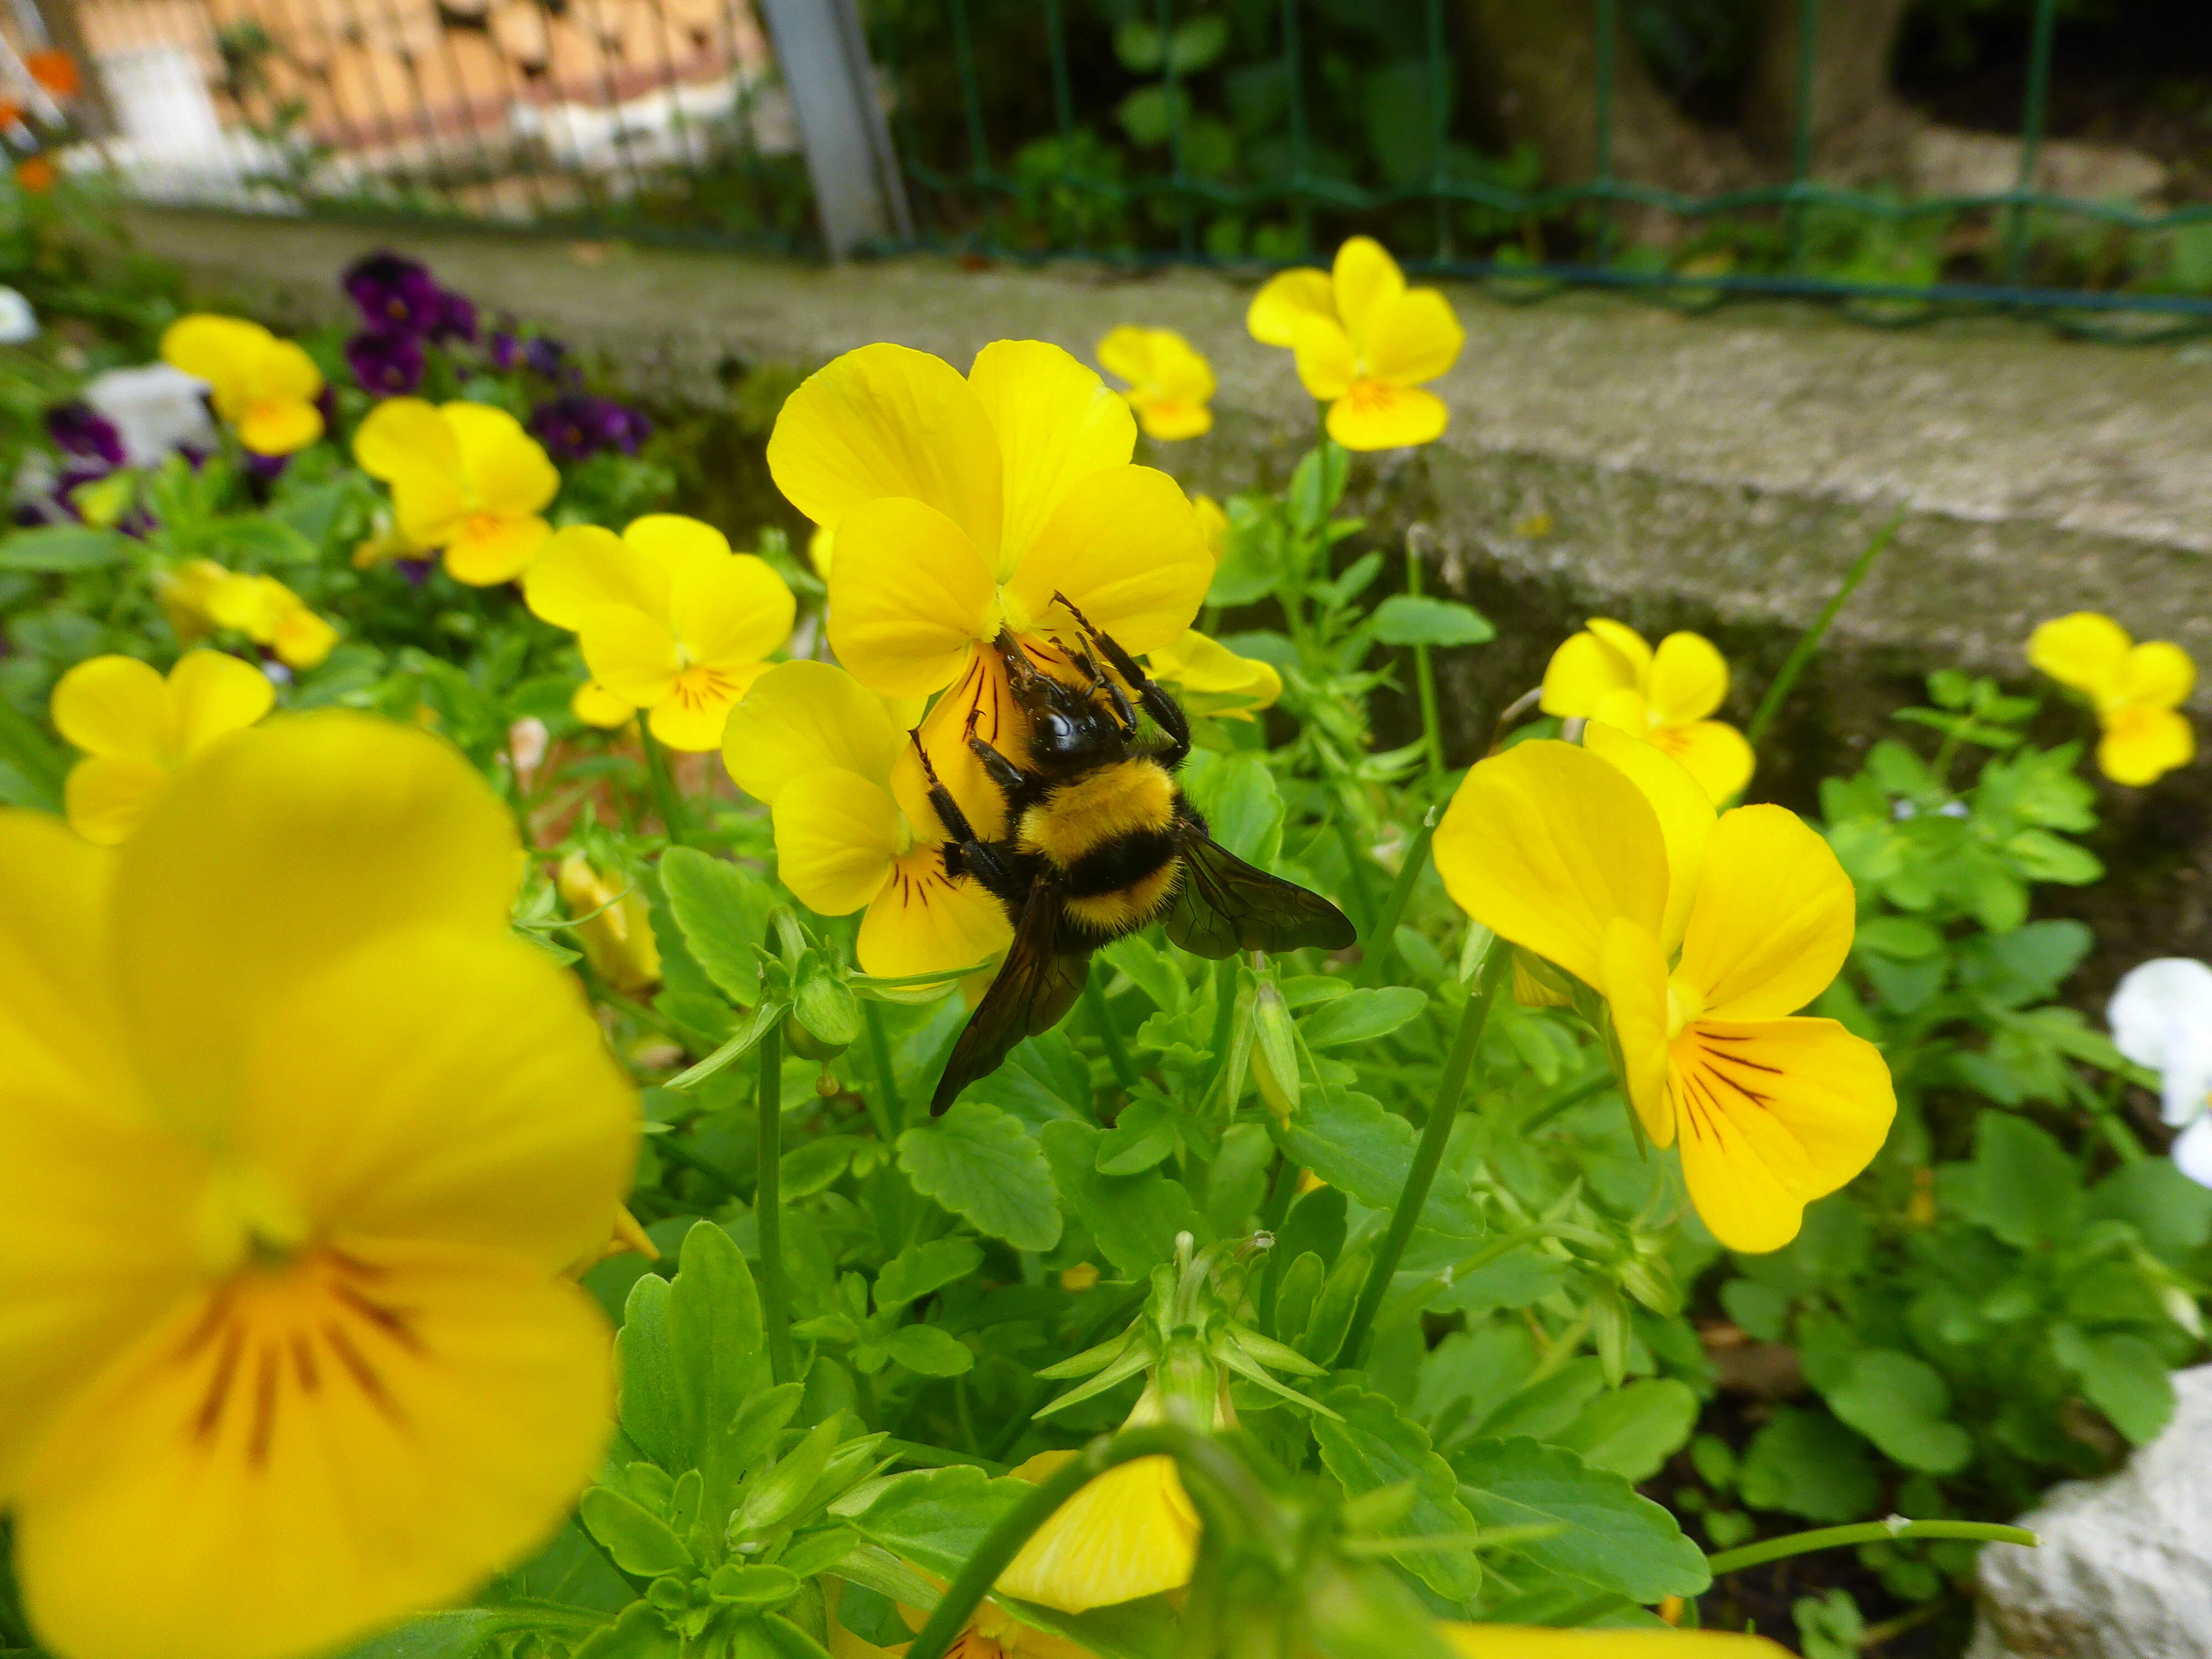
1069, 728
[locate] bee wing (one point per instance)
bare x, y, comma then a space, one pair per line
1036, 986
1224, 906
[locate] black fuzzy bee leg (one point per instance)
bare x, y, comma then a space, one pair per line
1161, 706
1103, 681
996, 766
966, 851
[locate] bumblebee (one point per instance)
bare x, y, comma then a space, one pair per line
1100, 841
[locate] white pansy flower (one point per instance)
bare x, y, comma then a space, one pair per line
2161, 1018
18, 322
155, 408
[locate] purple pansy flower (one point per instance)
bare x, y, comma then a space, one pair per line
84, 434
456, 317
388, 365
395, 295
577, 425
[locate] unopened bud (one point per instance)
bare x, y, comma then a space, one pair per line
1609, 1318
1275, 1052
825, 1017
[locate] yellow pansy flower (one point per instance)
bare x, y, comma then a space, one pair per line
1702, 935
465, 478
2137, 691
668, 617
136, 729
614, 927
1365, 343
595, 705
1608, 673
1206, 678
854, 826
1534, 1642
264, 386
1171, 382
961, 505
295, 1137
200, 596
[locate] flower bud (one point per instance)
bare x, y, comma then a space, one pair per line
1609, 1318
1275, 1052
825, 1017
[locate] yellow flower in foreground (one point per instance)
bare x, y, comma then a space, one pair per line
822, 551
1171, 382
1365, 343
961, 505
1608, 673
1701, 935
1531, 1642
136, 729
465, 478
854, 826
1208, 678
264, 386
295, 1136
669, 619
2137, 691
613, 925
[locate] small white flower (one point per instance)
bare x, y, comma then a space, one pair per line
18, 322
2161, 1018
155, 408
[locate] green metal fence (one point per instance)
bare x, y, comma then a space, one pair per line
977, 202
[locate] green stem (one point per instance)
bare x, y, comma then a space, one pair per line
1224, 1027
1573, 1095
2105, 1108
1363, 897
1424, 677
936, 1457
880, 1052
1102, 1021
669, 1146
1864, 1532
672, 816
1802, 653
1429, 1156
1411, 1303
768, 1209
1383, 935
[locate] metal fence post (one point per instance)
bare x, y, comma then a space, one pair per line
823, 57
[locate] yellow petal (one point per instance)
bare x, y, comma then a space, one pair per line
1057, 423
303, 640
1414, 338
802, 717
430, 508
2141, 745
1130, 1532
615, 929
678, 545
2158, 673
925, 922
631, 655
1210, 677
250, 604
1376, 415
212, 695
982, 691
694, 715
1530, 1641
106, 796
404, 436
886, 421
735, 611
1684, 810
1212, 525
280, 850
57, 1021
582, 567
284, 370
837, 836
508, 473
1327, 363
412, 1453
1688, 680
1285, 300
1171, 421
1635, 987
1124, 549
116, 706
595, 705
220, 350
489, 548
821, 549
1773, 919
1713, 752
911, 595
1545, 845
463, 1093
2084, 650
1366, 282
1130, 352
1627, 641
1770, 1114
279, 426
1583, 670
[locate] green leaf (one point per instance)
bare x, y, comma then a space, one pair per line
1352, 1143
640, 1633
1142, 1137
1135, 1219
1243, 810
1904, 938
2043, 856
454, 1635
935, 1518
2172, 1213
723, 911
259, 541
60, 550
2021, 1185
1901, 1404
930, 1351
1412, 619
1361, 1016
1608, 1535
1370, 1446
1805, 1462
650, 1405
916, 1271
2123, 1377
982, 1165
1633, 1431
640, 1542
